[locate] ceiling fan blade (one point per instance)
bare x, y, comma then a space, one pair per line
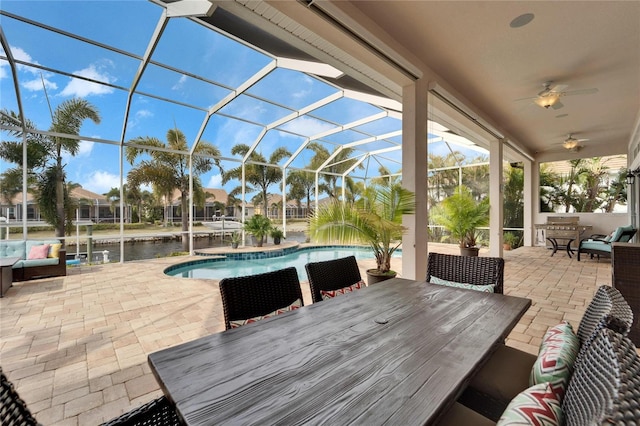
581, 92
558, 88
557, 105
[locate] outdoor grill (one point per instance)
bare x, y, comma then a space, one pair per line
562, 232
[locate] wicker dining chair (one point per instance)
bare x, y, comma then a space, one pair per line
331, 275
507, 371
257, 295
475, 270
14, 411
605, 386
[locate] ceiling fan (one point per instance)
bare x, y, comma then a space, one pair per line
572, 144
551, 93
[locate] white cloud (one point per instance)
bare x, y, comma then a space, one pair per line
85, 149
138, 116
214, 182
31, 85
306, 126
180, 83
101, 181
83, 88
37, 83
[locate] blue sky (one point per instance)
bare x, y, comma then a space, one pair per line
185, 49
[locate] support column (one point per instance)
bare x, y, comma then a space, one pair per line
496, 195
531, 184
414, 178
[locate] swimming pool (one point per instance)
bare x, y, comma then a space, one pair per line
223, 268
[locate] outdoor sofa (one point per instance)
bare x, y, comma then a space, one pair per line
36, 260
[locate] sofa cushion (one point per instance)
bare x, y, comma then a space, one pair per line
38, 252
596, 245
54, 250
10, 248
36, 262
618, 232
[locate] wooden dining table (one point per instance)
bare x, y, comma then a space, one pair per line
396, 353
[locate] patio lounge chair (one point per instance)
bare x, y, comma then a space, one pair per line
254, 297
332, 275
507, 372
600, 245
479, 271
14, 411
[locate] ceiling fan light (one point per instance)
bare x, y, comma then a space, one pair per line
570, 143
547, 101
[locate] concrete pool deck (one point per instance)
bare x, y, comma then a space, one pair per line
76, 347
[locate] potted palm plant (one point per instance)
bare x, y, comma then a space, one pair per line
277, 235
462, 215
259, 227
235, 239
375, 219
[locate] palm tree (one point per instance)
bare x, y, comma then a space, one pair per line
375, 219
257, 173
169, 171
301, 186
339, 164
44, 155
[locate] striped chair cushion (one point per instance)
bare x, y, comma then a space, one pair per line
330, 294
484, 288
295, 305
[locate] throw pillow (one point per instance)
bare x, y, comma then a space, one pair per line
484, 288
329, 294
538, 405
38, 252
295, 305
54, 250
556, 358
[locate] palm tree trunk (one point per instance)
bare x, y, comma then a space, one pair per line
60, 200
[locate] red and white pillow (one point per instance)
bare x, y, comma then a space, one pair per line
330, 294
556, 357
538, 405
295, 305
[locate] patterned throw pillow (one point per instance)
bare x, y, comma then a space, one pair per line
38, 252
484, 288
539, 405
295, 305
54, 250
556, 358
330, 294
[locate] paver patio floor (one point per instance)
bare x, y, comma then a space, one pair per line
76, 347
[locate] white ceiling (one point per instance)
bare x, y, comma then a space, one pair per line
588, 44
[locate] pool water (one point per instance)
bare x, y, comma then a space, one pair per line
219, 269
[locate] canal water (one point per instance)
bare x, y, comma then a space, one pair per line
141, 250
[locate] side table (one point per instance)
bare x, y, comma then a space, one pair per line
6, 278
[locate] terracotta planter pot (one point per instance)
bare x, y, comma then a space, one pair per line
373, 276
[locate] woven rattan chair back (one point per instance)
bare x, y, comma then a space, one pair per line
332, 275
257, 295
13, 410
607, 302
605, 386
474, 270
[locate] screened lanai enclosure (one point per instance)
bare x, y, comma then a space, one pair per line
191, 86
189, 111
